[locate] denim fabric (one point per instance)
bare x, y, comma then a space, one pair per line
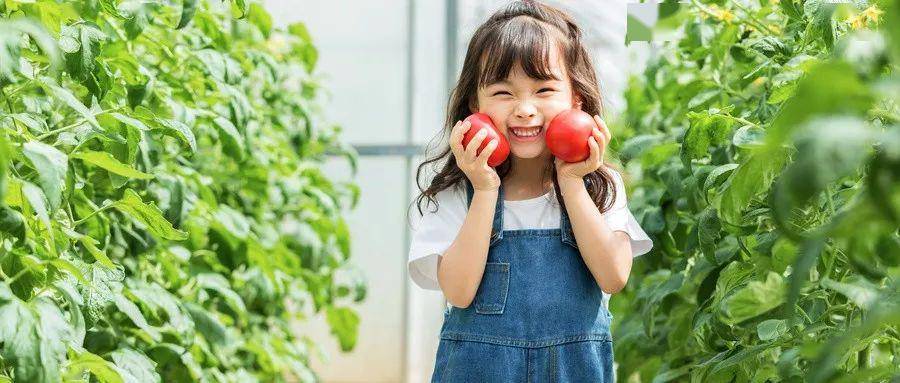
537, 315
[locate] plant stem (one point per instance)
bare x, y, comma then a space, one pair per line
78, 222
17, 275
752, 17
9, 105
75, 124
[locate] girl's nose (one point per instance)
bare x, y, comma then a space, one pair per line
525, 110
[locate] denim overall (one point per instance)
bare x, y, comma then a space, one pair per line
537, 315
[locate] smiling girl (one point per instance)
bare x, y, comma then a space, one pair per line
528, 253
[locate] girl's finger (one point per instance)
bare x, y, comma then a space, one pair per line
474, 144
604, 129
603, 140
595, 150
486, 152
456, 138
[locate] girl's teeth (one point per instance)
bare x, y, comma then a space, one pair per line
521, 133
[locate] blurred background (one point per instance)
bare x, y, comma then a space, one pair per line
388, 67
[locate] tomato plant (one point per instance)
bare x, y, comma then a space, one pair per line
164, 216
765, 152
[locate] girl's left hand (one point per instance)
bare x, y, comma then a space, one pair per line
597, 142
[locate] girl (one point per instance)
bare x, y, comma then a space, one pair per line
527, 253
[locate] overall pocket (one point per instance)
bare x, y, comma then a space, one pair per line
491, 295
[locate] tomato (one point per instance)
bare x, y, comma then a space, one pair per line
481, 121
568, 133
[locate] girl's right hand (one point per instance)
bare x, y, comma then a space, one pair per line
480, 174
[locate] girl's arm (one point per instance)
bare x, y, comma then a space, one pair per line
606, 253
461, 267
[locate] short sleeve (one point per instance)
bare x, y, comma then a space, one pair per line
433, 234
619, 218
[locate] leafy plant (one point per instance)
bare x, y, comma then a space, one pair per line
765, 147
163, 216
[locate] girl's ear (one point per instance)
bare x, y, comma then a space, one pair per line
578, 104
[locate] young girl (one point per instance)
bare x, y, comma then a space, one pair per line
527, 253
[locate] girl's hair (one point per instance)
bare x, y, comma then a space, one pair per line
522, 32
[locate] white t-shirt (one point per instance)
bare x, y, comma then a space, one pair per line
434, 232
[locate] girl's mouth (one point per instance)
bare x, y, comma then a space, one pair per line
526, 134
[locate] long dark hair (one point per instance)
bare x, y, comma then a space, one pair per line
522, 32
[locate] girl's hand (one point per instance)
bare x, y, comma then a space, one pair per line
597, 142
480, 174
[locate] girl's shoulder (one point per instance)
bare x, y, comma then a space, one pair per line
451, 200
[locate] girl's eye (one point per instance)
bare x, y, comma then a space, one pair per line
550, 89
501, 92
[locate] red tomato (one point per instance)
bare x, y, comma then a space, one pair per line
568, 133
481, 121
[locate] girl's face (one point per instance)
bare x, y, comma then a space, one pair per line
520, 105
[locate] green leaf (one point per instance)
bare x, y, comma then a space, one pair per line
708, 227
806, 259
137, 14
748, 136
259, 17
753, 300
243, 7
63, 264
133, 122
827, 150
232, 141
751, 178
219, 284
232, 222
713, 178
827, 88
307, 50
9, 46
81, 42
730, 278
860, 291
12, 223
38, 126
51, 166
105, 283
344, 325
69, 99
188, 7
90, 245
135, 367
739, 357
36, 200
211, 327
34, 337
66, 288
771, 329
819, 13
707, 128
100, 368
180, 130
4, 164
149, 216
156, 297
132, 311
111, 164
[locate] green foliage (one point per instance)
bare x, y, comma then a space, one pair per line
163, 215
776, 229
